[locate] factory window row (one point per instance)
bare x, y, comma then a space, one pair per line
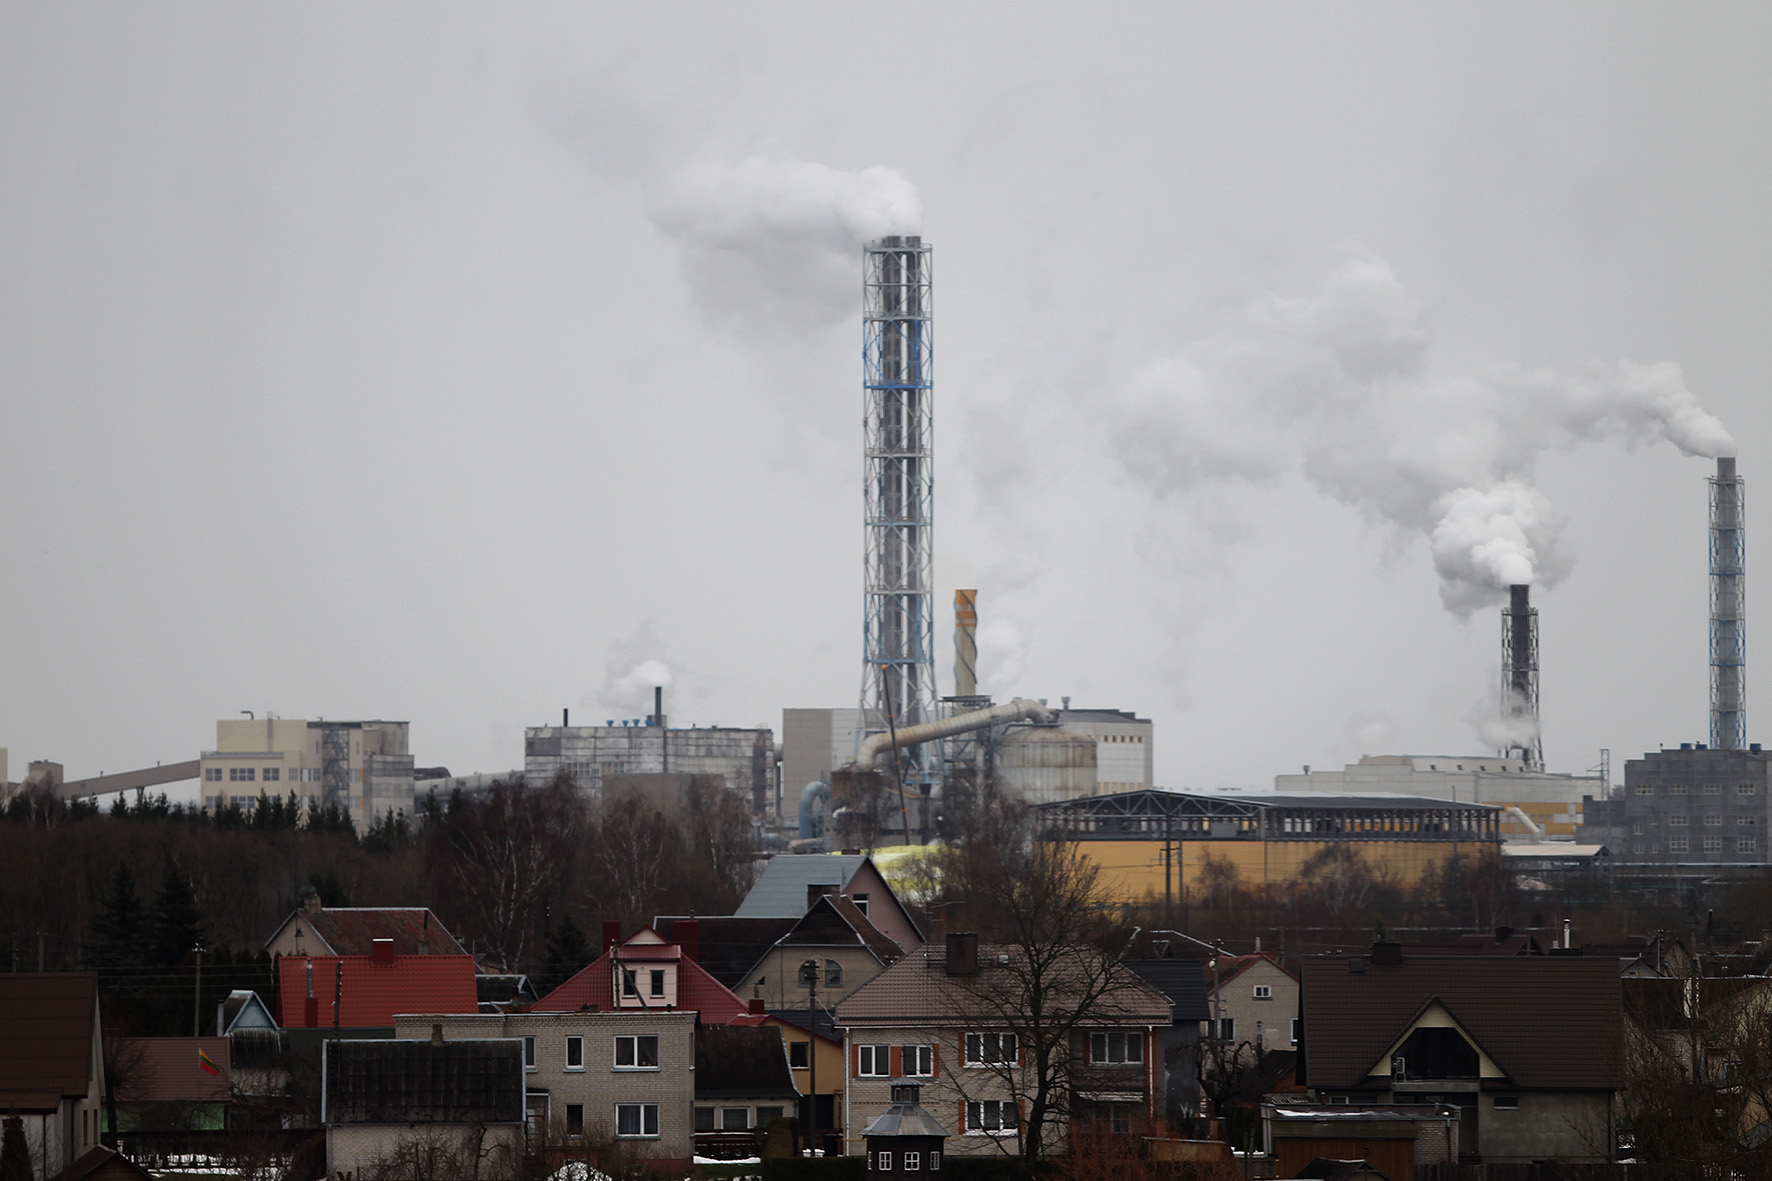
1710, 789
1122, 738
268, 775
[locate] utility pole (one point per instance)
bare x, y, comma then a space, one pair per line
197, 1001
809, 977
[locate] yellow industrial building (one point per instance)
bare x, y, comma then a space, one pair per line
1157, 844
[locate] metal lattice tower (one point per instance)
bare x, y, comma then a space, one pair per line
1519, 676
898, 629
1728, 610
335, 765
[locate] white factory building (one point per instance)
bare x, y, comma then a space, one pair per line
1550, 801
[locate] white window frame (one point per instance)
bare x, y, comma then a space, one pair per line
575, 1047
529, 1054
918, 1061
634, 1043
1007, 1052
1262, 992
873, 1061
1003, 1108
1746, 845
913, 1162
645, 1115
656, 983
744, 1120
883, 1159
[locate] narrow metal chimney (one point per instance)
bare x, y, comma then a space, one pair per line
1519, 677
658, 718
1728, 610
965, 643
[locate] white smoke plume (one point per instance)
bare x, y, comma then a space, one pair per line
773, 242
1338, 386
629, 693
1002, 657
1500, 728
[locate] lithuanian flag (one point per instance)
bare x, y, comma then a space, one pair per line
206, 1062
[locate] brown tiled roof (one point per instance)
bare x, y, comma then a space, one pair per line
917, 989
1549, 1022
168, 1069
352, 930
46, 1028
99, 1161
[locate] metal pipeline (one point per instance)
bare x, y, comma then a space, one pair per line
1019, 710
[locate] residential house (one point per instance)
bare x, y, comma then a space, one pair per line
834, 935
242, 1010
815, 1060
1529, 1049
592, 1076
791, 882
726, 946
742, 1085
312, 929
365, 991
644, 971
1181, 980
171, 1085
1253, 1001
423, 1108
938, 1017
52, 1069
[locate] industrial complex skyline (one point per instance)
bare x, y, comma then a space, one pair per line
463, 367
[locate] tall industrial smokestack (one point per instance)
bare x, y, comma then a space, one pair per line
1519, 678
1728, 610
965, 643
898, 618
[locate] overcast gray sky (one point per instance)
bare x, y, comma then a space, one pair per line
450, 364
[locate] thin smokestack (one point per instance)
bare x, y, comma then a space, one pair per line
1728, 610
1519, 677
966, 643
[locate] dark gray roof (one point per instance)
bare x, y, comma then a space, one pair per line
406, 1081
1548, 1022
904, 1118
729, 947
1180, 979
742, 1062
781, 888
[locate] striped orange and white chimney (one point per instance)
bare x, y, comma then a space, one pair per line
966, 643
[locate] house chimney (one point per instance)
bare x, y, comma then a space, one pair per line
1386, 954
687, 933
611, 933
755, 1007
311, 901
381, 951
962, 957
815, 892
436, 1033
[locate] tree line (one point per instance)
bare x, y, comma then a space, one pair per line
517, 873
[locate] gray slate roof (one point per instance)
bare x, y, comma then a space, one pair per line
742, 1062
780, 891
904, 1119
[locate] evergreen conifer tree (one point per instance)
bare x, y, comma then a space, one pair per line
568, 950
178, 926
120, 936
15, 1157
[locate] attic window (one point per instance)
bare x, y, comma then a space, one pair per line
1262, 992
1434, 1053
861, 903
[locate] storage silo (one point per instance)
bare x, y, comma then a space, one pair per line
1046, 764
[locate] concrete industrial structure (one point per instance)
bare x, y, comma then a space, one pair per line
898, 619
1552, 802
1519, 679
1728, 609
363, 767
1123, 752
814, 743
1152, 845
1694, 806
593, 756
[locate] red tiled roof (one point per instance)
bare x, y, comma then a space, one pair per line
696, 989
46, 1028
352, 930
161, 1069
372, 993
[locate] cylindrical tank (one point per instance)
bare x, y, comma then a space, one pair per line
1045, 764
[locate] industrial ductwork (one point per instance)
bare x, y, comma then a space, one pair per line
1019, 710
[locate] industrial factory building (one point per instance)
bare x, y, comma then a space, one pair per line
1153, 845
596, 756
1551, 802
1695, 806
1124, 760
362, 767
